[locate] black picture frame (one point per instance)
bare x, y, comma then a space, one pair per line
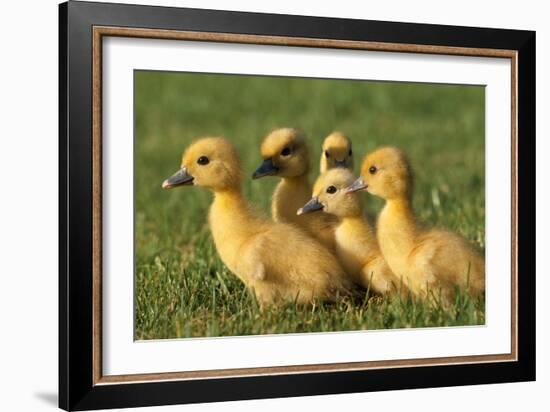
77, 390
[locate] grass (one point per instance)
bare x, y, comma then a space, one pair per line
182, 287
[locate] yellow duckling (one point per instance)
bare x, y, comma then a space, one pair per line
286, 155
278, 261
336, 152
427, 259
356, 245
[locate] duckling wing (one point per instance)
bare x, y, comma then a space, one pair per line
451, 258
250, 262
296, 263
377, 276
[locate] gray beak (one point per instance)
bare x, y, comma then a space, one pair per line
311, 206
357, 186
267, 168
340, 163
180, 178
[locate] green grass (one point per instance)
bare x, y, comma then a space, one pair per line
182, 287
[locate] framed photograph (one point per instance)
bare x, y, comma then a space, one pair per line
256, 206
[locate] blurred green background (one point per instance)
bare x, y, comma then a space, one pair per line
182, 288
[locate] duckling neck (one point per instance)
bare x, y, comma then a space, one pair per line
290, 194
355, 243
229, 200
397, 228
295, 181
324, 166
357, 228
355, 223
399, 213
232, 223
231, 210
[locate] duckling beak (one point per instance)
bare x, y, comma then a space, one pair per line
267, 168
340, 163
357, 186
180, 178
311, 206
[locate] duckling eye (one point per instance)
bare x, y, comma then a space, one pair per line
286, 151
350, 152
372, 170
331, 189
203, 160
327, 154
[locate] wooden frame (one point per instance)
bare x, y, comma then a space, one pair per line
82, 27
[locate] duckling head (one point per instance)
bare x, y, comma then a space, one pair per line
386, 173
330, 195
337, 152
285, 154
210, 162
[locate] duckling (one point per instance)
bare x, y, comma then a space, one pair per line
286, 155
356, 245
278, 261
427, 259
336, 152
